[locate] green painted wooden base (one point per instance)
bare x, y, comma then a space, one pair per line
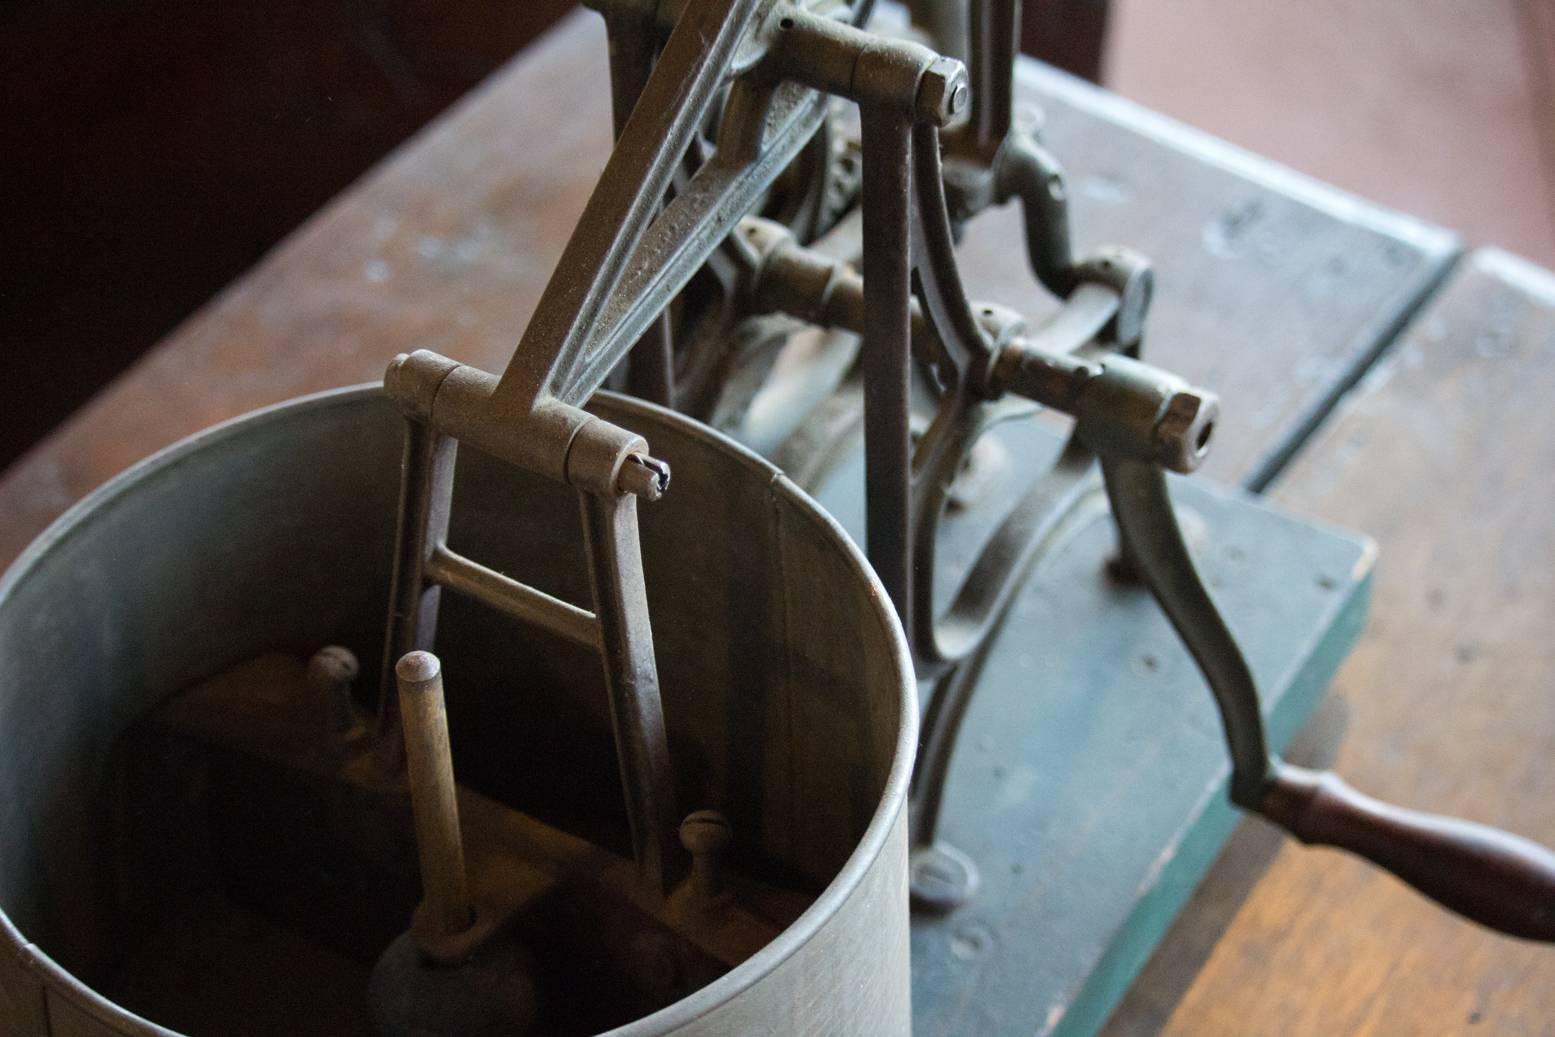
1089, 783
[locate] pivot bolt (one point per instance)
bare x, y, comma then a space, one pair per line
647, 477
941, 878
943, 91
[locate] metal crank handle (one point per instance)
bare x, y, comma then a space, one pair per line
1497, 879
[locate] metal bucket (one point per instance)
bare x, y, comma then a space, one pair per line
786, 685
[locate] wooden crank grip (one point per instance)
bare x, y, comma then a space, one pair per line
1493, 877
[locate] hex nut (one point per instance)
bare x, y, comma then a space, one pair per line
1183, 432
943, 91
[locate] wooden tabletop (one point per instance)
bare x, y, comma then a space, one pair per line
1274, 290
1446, 455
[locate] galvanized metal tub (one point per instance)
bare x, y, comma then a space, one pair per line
786, 683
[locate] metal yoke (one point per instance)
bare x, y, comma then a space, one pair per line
623, 264
618, 627
912, 310
531, 418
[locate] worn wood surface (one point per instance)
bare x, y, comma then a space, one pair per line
1272, 288
446, 244
1445, 454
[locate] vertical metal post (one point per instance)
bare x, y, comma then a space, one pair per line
631, 680
995, 40
426, 493
433, 801
887, 331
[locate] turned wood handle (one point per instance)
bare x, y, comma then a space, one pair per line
1498, 879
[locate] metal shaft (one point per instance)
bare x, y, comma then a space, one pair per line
429, 764
885, 357
426, 494
632, 681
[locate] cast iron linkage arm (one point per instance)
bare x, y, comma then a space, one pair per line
1498, 879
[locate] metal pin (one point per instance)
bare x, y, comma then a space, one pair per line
330, 673
706, 835
432, 797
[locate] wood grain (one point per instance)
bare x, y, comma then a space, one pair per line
1445, 455
162, 148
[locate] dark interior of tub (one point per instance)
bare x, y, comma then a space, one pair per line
211, 895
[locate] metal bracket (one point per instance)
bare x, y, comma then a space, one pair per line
441, 398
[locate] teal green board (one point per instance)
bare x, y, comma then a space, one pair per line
1089, 781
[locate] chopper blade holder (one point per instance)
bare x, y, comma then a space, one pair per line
531, 418
625, 260
611, 468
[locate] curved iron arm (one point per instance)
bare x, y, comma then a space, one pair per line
957, 355
1497, 879
1054, 508
1153, 544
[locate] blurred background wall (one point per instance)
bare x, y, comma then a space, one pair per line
1442, 108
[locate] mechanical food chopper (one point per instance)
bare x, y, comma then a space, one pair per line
1075, 373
